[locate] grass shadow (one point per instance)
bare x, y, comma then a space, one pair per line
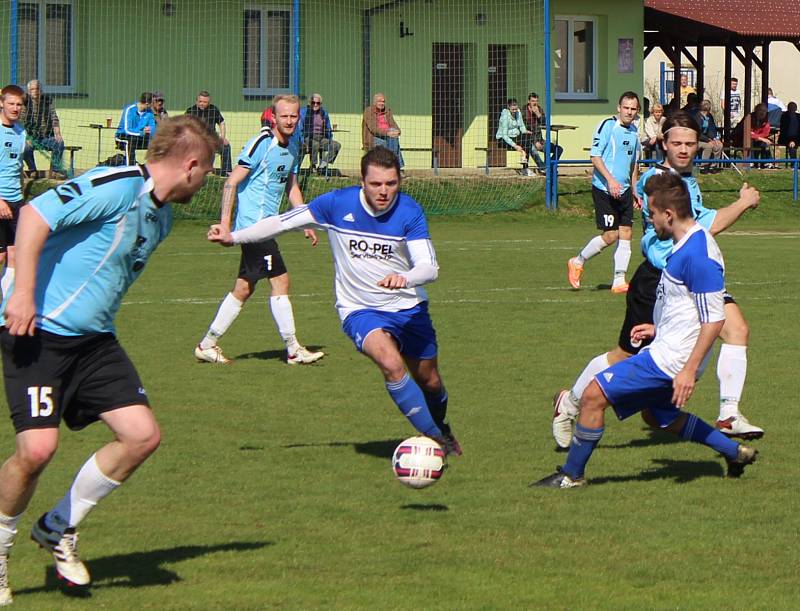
654, 438
681, 471
379, 449
270, 355
137, 569
426, 507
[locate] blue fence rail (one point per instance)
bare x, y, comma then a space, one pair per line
551, 193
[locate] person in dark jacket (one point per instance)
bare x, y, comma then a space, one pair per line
708, 142
790, 130
317, 134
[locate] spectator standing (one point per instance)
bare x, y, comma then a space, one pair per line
159, 112
137, 125
317, 134
733, 102
759, 134
378, 128
653, 136
209, 114
686, 89
43, 128
536, 122
709, 142
790, 130
511, 131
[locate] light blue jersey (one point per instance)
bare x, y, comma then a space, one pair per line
270, 164
619, 148
12, 144
655, 250
104, 226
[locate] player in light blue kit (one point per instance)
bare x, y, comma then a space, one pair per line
12, 146
689, 315
383, 255
81, 245
266, 168
615, 152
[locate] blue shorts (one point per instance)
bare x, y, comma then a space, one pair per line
636, 384
412, 329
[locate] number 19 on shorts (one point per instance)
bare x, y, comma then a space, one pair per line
41, 401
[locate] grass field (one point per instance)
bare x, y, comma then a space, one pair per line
273, 486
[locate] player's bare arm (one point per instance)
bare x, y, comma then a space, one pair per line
614, 188
32, 233
749, 198
295, 196
684, 383
236, 177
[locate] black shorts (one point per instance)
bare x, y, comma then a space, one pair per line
52, 377
261, 260
611, 213
8, 227
639, 303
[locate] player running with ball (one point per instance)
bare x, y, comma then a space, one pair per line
382, 254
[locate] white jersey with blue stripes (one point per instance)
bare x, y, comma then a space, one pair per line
690, 293
618, 146
367, 246
12, 145
104, 225
270, 163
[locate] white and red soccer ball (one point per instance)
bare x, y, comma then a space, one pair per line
418, 462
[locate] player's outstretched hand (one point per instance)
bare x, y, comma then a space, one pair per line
220, 234
393, 281
21, 314
750, 195
682, 387
311, 235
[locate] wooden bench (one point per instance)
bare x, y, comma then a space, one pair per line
72, 150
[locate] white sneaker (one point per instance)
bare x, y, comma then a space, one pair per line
303, 356
210, 355
563, 421
64, 548
5, 589
739, 426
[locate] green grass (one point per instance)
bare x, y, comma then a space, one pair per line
273, 486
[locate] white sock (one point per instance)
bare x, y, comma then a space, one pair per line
731, 371
89, 488
595, 366
622, 257
228, 311
8, 530
7, 280
283, 315
594, 247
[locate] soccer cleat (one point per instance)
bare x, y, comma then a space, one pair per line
210, 355
303, 356
745, 456
739, 426
64, 548
559, 479
619, 288
562, 421
574, 272
450, 444
5, 589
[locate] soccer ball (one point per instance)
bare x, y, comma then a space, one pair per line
418, 462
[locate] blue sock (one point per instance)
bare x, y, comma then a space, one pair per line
409, 398
698, 431
437, 404
584, 441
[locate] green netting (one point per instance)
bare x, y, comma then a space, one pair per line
446, 69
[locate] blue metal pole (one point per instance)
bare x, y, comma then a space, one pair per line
550, 199
13, 37
296, 35
794, 181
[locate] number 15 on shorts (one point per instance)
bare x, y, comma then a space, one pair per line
41, 401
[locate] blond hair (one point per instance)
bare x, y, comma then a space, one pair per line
291, 99
181, 135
